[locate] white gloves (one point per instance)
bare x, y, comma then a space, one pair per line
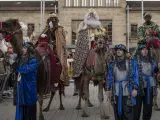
12, 58
43, 35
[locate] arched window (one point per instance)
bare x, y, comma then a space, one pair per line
76, 2
91, 2
116, 2
99, 2
83, 2
68, 3
108, 2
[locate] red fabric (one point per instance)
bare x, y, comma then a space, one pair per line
7, 37
43, 48
155, 43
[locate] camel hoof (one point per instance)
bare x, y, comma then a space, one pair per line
104, 116
156, 108
61, 107
46, 109
84, 115
90, 105
78, 107
41, 117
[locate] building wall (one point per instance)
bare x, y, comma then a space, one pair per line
25, 16
116, 14
135, 18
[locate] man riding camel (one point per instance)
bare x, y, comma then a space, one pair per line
57, 42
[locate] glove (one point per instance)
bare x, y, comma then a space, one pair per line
12, 58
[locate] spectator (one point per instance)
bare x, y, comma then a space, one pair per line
26, 89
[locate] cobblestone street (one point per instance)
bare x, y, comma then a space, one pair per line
70, 113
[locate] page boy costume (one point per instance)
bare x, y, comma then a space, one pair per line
122, 79
147, 67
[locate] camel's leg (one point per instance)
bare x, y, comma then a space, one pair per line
50, 101
89, 103
101, 98
79, 103
40, 99
85, 95
80, 94
60, 95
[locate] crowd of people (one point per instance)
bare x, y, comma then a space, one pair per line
131, 79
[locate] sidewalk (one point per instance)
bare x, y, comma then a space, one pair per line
7, 112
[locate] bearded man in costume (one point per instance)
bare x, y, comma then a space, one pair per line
149, 33
147, 67
87, 28
57, 41
122, 79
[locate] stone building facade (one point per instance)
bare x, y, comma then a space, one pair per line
112, 13
115, 13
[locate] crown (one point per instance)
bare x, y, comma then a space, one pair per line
52, 15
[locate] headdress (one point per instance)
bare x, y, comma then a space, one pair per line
147, 14
30, 48
120, 46
52, 14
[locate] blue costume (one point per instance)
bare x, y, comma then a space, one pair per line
147, 67
122, 81
27, 89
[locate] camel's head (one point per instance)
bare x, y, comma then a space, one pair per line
12, 32
100, 43
11, 25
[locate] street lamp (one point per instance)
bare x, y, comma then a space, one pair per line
128, 26
142, 11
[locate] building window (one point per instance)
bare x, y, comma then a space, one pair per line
75, 2
68, 3
99, 2
91, 2
108, 2
116, 3
107, 24
83, 2
30, 30
134, 28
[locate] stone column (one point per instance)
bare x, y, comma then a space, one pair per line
88, 3
112, 3
79, 3
96, 3
104, 3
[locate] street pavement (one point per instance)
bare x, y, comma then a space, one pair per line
7, 111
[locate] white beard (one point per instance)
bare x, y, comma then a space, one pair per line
50, 24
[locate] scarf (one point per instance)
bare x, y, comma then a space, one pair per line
121, 64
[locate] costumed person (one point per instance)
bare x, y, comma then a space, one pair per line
27, 87
122, 84
57, 42
89, 60
149, 33
147, 67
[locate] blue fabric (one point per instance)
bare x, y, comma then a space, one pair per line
120, 96
135, 81
27, 87
147, 78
